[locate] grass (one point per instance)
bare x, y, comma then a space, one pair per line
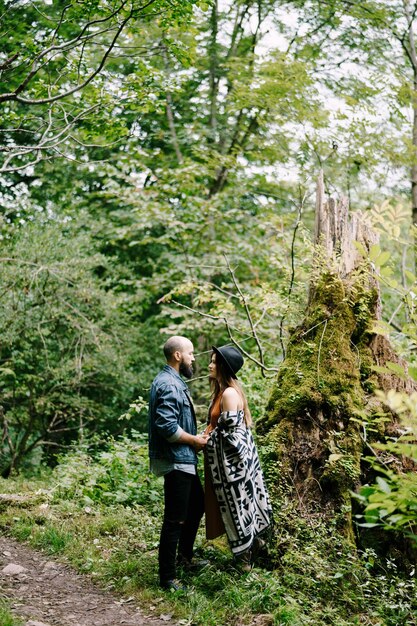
317, 581
6, 616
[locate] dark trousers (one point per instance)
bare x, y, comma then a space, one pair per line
184, 508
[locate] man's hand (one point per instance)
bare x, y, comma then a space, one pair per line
199, 442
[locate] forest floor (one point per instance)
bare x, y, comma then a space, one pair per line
45, 592
65, 562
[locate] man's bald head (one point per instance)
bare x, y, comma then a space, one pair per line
175, 344
179, 353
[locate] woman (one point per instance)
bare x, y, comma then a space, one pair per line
237, 501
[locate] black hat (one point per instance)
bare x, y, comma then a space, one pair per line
232, 357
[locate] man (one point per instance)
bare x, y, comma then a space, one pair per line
173, 447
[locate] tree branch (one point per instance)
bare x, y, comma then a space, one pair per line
290, 287
249, 356
229, 329
247, 310
410, 33
45, 143
65, 46
170, 114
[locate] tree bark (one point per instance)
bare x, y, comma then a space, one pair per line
411, 52
321, 417
213, 71
414, 165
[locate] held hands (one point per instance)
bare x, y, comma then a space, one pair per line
199, 442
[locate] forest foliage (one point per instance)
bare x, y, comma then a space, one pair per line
157, 169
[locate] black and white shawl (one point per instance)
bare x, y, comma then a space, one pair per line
238, 481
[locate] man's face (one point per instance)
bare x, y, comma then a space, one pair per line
187, 360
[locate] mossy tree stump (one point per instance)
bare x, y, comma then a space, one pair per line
315, 425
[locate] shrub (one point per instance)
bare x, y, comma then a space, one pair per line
115, 472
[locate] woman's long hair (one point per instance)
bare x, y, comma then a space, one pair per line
224, 380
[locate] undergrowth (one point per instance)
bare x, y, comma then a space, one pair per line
100, 510
6, 616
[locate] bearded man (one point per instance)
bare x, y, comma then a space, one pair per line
173, 448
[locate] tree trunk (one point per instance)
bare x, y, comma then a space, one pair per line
213, 73
414, 166
316, 426
409, 46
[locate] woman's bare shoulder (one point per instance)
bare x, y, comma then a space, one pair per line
230, 392
230, 399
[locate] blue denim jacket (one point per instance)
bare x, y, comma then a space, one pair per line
170, 407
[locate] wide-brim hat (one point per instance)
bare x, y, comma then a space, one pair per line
231, 356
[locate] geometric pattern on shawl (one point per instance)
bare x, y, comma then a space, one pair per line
238, 481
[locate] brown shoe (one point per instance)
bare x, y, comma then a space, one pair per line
193, 565
257, 546
244, 561
173, 585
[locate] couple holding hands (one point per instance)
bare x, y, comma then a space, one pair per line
235, 499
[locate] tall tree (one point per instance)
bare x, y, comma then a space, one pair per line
366, 52
53, 72
65, 356
323, 417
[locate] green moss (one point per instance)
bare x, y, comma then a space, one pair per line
343, 464
275, 462
311, 420
321, 366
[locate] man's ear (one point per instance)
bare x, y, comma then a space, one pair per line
177, 355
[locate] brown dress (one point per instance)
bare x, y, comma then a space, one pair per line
214, 522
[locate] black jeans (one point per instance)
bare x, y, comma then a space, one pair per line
184, 508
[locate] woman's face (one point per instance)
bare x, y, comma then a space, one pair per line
212, 367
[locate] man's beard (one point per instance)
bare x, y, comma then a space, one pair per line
186, 370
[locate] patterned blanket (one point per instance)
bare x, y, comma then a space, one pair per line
238, 481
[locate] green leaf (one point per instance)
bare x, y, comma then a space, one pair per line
386, 272
374, 252
396, 519
379, 327
412, 370
382, 258
383, 484
361, 248
335, 457
380, 369
374, 506
397, 369
6, 371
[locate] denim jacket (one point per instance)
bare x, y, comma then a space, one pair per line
170, 407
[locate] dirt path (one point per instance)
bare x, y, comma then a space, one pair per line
48, 593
